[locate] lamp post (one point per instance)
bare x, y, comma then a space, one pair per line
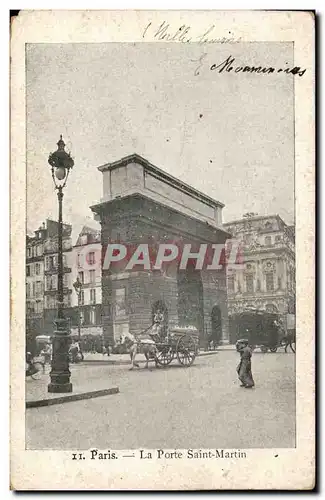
78, 288
61, 163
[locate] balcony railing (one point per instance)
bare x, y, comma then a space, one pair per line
54, 269
54, 291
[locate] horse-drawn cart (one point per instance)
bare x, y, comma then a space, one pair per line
181, 343
261, 328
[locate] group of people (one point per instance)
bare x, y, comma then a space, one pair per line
156, 331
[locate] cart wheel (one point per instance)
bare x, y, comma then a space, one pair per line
165, 356
186, 350
39, 370
273, 349
264, 348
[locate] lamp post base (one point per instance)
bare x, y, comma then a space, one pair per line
60, 373
59, 387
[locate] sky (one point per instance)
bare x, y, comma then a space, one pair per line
229, 135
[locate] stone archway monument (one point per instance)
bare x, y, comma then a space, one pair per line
156, 232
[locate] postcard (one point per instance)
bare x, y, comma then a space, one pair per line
162, 250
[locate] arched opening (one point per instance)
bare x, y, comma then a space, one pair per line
159, 305
190, 298
216, 325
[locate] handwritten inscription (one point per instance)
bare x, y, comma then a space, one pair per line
228, 65
183, 34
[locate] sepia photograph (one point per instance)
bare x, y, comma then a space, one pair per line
160, 247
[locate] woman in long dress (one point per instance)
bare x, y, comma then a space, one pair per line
244, 369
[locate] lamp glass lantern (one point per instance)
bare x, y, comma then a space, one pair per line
61, 163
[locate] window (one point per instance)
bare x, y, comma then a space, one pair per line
30, 308
49, 262
231, 283
91, 258
38, 307
249, 283
93, 296
39, 288
92, 316
67, 301
29, 252
82, 298
81, 277
34, 289
92, 276
51, 282
269, 278
278, 237
37, 269
79, 259
28, 271
82, 317
50, 303
39, 250
247, 239
27, 290
268, 240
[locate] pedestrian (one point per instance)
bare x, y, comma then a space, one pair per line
74, 352
47, 353
244, 369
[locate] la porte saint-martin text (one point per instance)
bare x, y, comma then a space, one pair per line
95, 454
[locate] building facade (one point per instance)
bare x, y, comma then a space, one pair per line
35, 280
266, 280
142, 204
51, 273
86, 265
82, 260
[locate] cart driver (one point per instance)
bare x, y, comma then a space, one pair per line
158, 324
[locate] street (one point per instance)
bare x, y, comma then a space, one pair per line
198, 407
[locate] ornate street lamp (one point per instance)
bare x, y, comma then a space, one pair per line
61, 163
78, 288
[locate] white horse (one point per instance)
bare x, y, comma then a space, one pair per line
144, 344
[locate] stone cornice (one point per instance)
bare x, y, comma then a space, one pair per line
160, 174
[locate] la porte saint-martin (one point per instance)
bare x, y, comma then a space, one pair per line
192, 453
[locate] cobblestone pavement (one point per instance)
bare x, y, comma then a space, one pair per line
197, 407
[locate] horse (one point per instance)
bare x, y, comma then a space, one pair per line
288, 340
144, 344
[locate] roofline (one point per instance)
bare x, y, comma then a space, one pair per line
150, 167
258, 217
